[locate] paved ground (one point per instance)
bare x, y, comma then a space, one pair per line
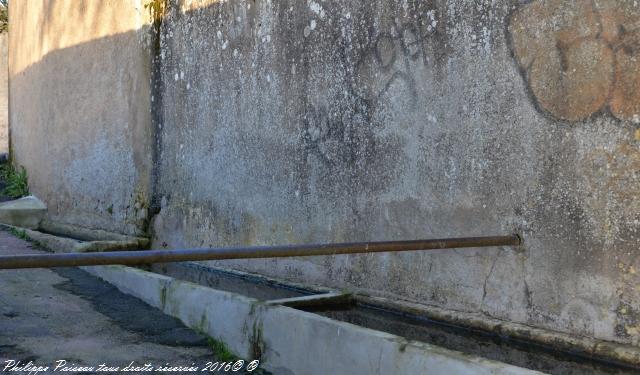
67, 314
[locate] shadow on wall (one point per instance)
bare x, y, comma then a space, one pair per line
79, 110
40, 27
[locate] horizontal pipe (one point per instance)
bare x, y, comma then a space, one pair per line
166, 256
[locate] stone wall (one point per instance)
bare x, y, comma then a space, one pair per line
325, 121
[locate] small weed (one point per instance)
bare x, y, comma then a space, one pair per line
221, 351
20, 233
110, 210
16, 180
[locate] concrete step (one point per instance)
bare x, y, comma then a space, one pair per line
25, 212
65, 238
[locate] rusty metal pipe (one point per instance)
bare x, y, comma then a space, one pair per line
166, 256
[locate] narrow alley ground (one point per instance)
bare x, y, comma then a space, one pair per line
68, 314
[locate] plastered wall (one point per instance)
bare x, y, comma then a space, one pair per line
270, 122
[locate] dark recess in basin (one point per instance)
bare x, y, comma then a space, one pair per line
245, 284
481, 343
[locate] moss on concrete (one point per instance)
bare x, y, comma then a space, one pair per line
20, 233
221, 351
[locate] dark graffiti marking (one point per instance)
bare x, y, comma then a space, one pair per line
391, 56
344, 129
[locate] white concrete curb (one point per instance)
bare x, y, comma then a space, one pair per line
289, 341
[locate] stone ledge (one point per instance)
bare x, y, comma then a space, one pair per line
79, 240
607, 351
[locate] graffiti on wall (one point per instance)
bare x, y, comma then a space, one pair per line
580, 57
390, 56
344, 131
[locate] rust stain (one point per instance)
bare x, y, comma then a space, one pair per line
580, 56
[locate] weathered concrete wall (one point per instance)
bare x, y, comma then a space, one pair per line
312, 121
289, 121
4, 93
79, 108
